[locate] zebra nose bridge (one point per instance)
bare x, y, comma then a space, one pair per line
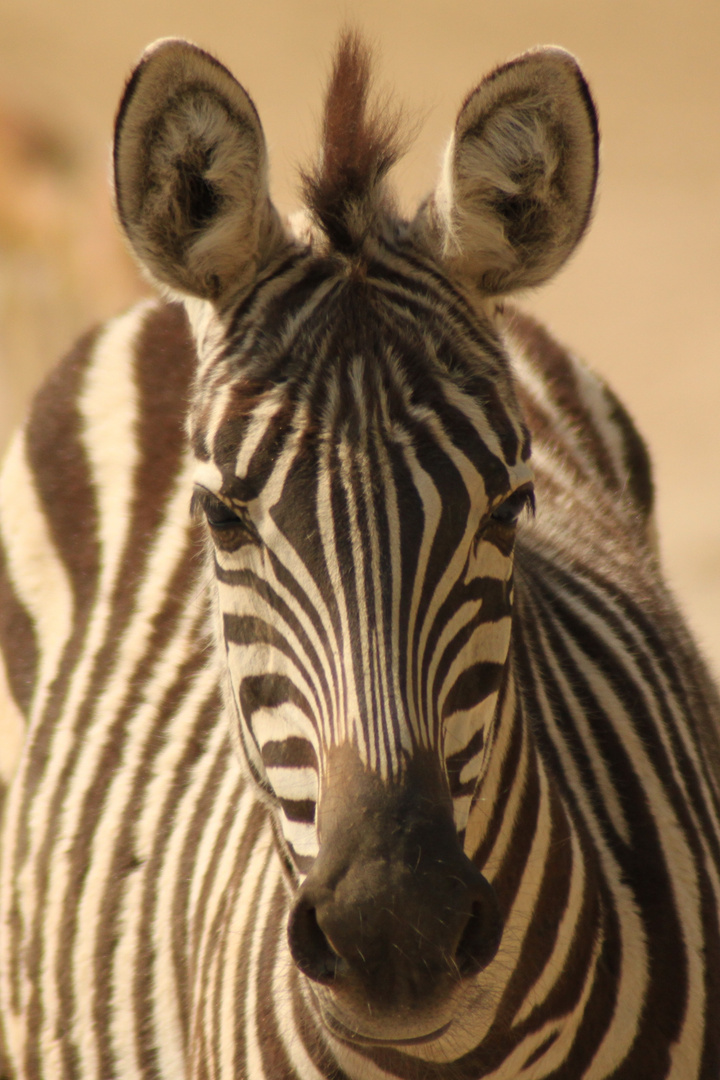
391, 898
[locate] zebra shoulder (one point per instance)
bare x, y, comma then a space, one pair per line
573, 412
109, 417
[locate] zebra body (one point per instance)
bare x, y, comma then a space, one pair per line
176, 813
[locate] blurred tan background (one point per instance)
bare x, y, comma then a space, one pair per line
639, 302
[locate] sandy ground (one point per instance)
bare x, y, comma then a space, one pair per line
639, 301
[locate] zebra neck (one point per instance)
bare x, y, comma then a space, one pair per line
523, 835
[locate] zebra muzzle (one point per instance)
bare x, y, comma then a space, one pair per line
392, 916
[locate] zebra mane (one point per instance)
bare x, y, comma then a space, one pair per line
360, 144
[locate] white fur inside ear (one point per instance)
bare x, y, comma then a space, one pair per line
519, 173
191, 172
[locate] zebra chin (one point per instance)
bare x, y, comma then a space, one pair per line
397, 1032
427, 1030
393, 922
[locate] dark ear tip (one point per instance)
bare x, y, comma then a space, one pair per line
150, 54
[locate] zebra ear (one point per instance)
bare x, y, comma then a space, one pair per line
520, 173
191, 173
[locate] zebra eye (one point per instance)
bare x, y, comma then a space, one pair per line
230, 528
508, 512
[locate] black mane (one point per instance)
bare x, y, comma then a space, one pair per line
359, 146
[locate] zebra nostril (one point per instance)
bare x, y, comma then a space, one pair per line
481, 937
309, 946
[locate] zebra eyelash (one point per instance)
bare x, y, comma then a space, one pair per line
508, 512
230, 527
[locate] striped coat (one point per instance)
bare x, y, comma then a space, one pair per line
147, 881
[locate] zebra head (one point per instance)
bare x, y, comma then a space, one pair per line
362, 464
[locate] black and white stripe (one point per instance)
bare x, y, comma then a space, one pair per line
358, 623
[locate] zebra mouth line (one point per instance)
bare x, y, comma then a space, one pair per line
354, 1037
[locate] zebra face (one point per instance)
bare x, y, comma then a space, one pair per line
362, 465
362, 513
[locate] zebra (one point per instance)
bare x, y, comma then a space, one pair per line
393, 758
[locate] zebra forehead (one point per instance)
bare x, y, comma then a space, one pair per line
455, 443
362, 360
